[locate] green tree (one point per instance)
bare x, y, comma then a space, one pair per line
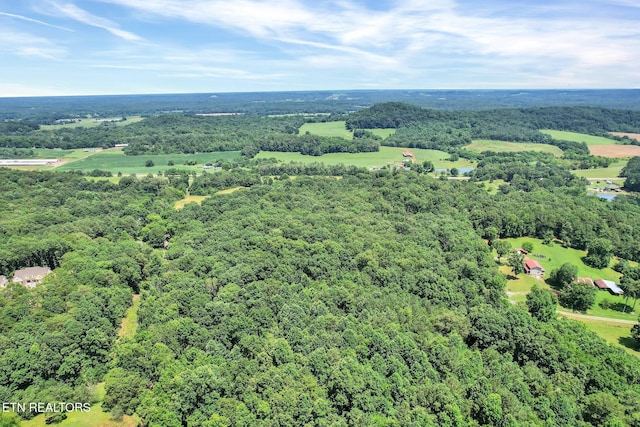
527, 246
516, 262
149, 163
578, 297
564, 275
502, 247
599, 253
635, 332
542, 303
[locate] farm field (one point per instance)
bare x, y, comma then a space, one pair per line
94, 122
598, 145
578, 137
635, 136
481, 145
115, 161
338, 129
386, 155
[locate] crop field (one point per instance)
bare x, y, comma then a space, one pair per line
94, 122
338, 129
635, 136
598, 145
481, 145
386, 155
115, 161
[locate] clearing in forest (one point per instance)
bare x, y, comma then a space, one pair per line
338, 128
129, 323
482, 145
386, 156
189, 199
598, 145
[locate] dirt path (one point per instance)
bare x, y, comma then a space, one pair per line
596, 318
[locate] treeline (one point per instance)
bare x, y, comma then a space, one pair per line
369, 300
632, 172
174, 133
424, 128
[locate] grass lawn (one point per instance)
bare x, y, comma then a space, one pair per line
612, 171
93, 122
327, 129
555, 255
386, 155
94, 418
481, 145
129, 323
115, 161
578, 137
522, 283
339, 129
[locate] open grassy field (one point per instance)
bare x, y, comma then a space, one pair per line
612, 171
338, 129
326, 129
578, 137
115, 161
386, 155
94, 418
94, 122
481, 145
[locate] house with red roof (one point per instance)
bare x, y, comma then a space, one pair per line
533, 268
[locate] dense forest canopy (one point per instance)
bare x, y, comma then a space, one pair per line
370, 299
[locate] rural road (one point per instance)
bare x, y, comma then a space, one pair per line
581, 316
596, 318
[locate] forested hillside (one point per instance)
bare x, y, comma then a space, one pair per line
366, 300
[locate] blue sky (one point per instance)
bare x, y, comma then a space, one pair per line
76, 47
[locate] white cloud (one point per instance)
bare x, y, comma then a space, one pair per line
72, 11
26, 18
25, 44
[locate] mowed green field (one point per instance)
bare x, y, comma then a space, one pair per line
481, 145
612, 171
578, 137
338, 129
386, 155
115, 161
555, 255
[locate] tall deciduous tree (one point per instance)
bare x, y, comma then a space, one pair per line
564, 275
542, 303
579, 297
599, 253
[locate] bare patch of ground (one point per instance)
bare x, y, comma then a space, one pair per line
616, 150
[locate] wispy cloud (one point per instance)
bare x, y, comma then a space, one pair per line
72, 11
28, 45
35, 21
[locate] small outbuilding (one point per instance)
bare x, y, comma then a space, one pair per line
585, 280
608, 285
3, 282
